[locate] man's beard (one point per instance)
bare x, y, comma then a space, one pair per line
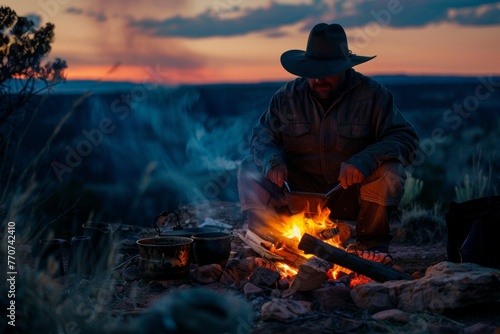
323, 91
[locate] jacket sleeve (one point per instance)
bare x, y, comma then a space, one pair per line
266, 142
395, 137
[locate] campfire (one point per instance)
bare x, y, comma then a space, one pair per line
319, 225
308, 238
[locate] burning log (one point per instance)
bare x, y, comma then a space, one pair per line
371, 269
311, 274
268, 250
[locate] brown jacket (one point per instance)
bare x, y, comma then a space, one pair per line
362, 127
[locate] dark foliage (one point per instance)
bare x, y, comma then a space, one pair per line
23, 47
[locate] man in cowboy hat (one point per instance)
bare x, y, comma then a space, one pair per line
330, 125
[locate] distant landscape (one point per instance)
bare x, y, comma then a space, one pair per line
123, 152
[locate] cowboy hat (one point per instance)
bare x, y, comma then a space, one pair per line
326, 54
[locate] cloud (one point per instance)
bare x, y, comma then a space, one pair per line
213, 22
98, 16
221, 19
481, 15
232, 18
414, 13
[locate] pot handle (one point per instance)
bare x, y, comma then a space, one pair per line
165, 214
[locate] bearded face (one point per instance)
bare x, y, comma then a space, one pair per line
325, 88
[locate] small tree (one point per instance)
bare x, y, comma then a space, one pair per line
23, 46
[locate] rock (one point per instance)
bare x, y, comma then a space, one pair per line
156, 286
264, 277
311, 274
247, 251
480, 328
393, 315
228, 277
445, 285
288, 293
342, 281
283, 284
251, 290
284, 309
131, 273
275, 293
207, 274
333, 297
244, 267
232, 269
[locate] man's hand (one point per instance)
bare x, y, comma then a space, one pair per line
277, 174
349, 175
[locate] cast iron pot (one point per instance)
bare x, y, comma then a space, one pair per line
164, 258
212, 247
179, 231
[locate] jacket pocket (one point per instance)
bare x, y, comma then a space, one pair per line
352, 138
296, 137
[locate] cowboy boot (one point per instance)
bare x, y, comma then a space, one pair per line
372, 226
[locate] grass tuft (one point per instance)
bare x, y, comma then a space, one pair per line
421, 226
478, 180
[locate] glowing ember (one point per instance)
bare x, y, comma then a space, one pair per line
359, 279
337, 272
286, 270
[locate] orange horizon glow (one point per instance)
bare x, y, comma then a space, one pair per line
143, 74
147, 74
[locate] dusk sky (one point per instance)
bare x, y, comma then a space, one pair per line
208, 41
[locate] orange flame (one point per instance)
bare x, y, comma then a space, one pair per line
286, 270
294, 227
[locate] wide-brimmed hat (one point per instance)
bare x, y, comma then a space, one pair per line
327, 53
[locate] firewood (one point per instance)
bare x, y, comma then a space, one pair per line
291, 257
371, 269
311, 274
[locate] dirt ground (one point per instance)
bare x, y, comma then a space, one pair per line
132, 298
410, 257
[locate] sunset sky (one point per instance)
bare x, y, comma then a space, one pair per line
208, 41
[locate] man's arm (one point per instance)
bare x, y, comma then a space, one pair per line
395, 138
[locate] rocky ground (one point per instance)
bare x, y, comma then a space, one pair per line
123, 302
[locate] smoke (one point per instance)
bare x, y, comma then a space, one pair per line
188, 151
128, 153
